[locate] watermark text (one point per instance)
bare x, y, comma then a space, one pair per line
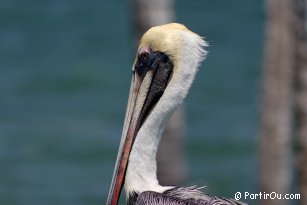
263, 195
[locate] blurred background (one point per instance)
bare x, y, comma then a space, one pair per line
65, 74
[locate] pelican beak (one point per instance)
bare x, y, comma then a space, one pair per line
151, 74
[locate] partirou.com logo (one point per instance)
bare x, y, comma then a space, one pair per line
263, 195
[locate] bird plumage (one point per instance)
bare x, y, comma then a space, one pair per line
185, 50
180, 196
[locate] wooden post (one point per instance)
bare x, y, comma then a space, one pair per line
171, 158
276, 95
150, 13
171, 162
300, 27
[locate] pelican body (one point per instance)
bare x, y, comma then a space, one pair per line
167, 60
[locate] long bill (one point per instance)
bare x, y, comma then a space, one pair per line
145, 91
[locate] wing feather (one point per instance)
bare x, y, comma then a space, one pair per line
183, 196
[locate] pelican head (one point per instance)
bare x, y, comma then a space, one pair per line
164, 68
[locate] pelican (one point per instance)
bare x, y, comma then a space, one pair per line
167, 60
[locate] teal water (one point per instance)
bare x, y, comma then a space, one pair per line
65, 74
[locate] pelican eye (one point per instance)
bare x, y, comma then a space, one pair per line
143, 57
